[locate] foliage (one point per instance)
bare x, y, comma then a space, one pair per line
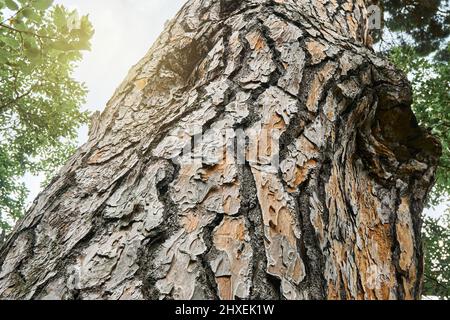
424, 24
40, 45
437, 256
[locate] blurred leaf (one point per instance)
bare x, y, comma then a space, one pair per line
10, 41
42, 4
60, 17
11, 5
3, 57
32, 15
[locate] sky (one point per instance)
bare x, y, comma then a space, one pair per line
124, 31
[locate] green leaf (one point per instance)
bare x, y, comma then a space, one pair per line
42, 4
3, 56
81, 45
40, 125
60, 18
11, 5
31, 15
20, 25
11, 42
61, 45
30, 42
27, 12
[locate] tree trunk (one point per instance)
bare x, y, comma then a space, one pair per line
152, 208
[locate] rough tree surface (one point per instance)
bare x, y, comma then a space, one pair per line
339, 218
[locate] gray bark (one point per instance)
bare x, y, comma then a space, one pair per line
339, 218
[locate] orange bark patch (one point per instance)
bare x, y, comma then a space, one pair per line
374, 260
352, 26
190, 222
281, 229
302, 174
231, 237
225, 288
316, 50
404, 235
318, 84
256, 41
405, 239
141, 83
98, 156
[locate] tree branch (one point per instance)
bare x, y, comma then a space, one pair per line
25, 32
436, 281
14, 15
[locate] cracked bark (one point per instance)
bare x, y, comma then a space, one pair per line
338, 219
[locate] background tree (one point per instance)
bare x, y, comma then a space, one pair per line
423, 24
39, 100
437, 256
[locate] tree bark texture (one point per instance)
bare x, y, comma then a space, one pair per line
339, 218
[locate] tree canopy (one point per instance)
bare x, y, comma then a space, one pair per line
40, 101
423, 24
437, 256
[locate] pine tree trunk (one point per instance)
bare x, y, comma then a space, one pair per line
148, 209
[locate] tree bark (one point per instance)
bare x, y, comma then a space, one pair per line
134, 216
